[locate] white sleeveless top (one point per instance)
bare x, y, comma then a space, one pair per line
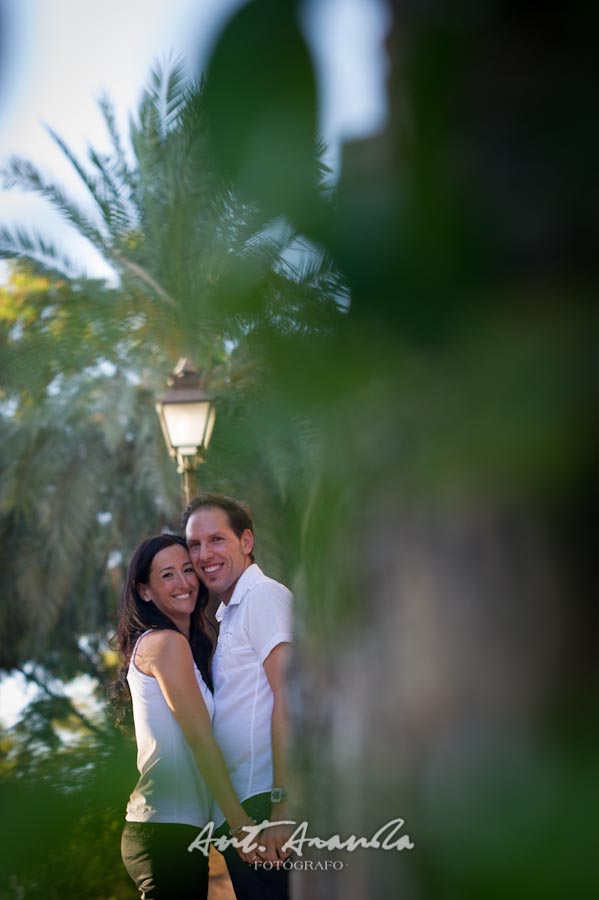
170, 787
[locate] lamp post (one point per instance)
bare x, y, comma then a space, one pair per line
187, 415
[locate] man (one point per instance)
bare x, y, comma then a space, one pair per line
250, 721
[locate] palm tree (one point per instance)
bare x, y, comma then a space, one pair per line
181, 244
197, 273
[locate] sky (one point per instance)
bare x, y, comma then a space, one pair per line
58, 56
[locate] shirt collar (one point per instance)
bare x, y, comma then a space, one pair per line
246, 580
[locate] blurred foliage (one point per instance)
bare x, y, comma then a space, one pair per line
448, 528
408, 405
65, 771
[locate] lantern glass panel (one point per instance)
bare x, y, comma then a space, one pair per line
189, 425
210, 425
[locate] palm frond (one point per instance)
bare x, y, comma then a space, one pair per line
175, 93
123, 171
22, 173
90, 183
107, 192
164, 98
19, 243
115, 195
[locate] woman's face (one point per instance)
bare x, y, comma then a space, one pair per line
173, 585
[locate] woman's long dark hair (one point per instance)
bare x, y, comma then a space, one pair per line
137, 615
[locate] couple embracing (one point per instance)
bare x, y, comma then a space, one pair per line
210, 723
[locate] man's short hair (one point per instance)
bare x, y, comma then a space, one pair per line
238, 512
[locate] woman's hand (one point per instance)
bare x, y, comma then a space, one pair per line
247, 833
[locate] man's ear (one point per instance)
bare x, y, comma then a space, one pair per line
247, 541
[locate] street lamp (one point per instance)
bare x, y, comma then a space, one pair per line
187, 415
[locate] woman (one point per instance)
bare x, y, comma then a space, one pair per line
166, 653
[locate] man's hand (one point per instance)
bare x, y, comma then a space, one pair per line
273, 839
275, 836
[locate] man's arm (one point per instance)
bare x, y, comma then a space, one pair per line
275, 667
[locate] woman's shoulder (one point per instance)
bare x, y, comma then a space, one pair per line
157, 636
156, 644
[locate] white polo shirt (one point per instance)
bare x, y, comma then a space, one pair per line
256, 619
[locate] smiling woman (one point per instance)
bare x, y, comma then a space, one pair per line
166, 652
145, 584
172, 586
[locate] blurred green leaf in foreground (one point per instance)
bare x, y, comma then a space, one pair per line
410, 411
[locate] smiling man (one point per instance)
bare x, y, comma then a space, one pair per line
248, 670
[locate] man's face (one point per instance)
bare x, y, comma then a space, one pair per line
219, 557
